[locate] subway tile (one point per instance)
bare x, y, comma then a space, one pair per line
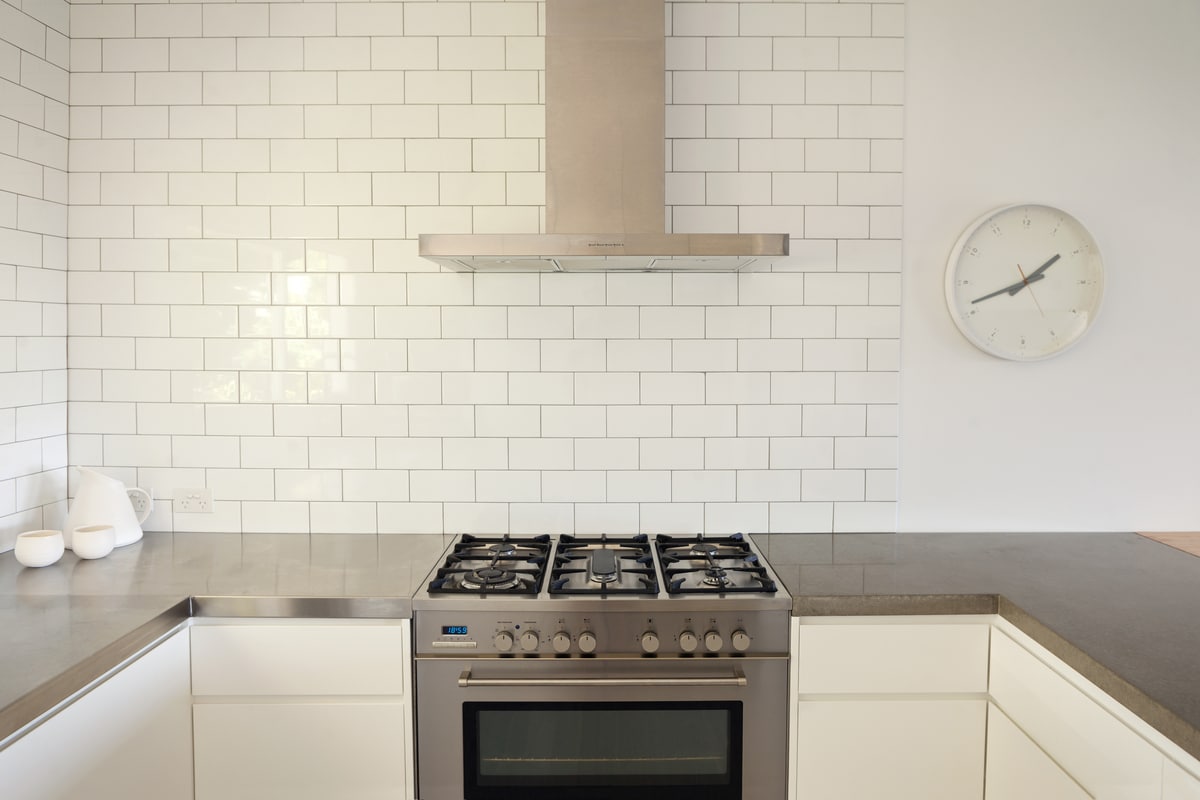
406, 122
286, 354
728, 518
165, 88
574, 355
444, 420
575, 486
606, 322
409, 453
275, 53
737, 453
341, 387
639, 421
541, 388
594, 518
441, 355
204, 451
803, 122
743, 52
807, 452
538, 453
173, 20
265, 122
170, 354
580, 422
299, 19
506, 289
302, 88
538, 322
399, 53
477, 388
365, 88
607, 454
726, 119
321, 485
476, 518
408, 387
199, 55
436, 19
703, 19
232, 155
875, 255
704, 356
638, 486
442, 485
774, 485
271, 387
410, 517
238, 420
703, 485
408, 322
423, 87
99, 21
199, 188
509, 421
802, 387
832, 485
504, 155
539, 518
372, 485
505, 19
337, 122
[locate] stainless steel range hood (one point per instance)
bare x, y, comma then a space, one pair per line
605, 159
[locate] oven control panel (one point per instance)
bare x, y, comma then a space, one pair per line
566, 634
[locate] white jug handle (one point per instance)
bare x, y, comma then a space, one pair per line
143, 503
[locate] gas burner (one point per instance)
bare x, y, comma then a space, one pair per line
715, 576
503, 550
703, 550
492, 578
603, 565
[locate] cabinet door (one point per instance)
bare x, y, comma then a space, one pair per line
897, 749
1108, 759
1178, 784
300, 751
130, 737
1017, 769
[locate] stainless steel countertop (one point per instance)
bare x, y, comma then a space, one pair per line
1117, 607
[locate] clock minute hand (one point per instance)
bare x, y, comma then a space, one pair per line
1037, 273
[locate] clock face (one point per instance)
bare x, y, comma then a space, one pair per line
1024, 282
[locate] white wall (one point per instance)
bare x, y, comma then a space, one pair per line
34, 56
1092, 106
247, 311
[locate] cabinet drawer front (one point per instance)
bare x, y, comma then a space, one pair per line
310, 659
892, 659
299, 751
899, 749
1099, 751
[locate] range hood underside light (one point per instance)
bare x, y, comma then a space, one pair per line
605, 159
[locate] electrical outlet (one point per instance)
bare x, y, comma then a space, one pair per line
141, 502
193, 501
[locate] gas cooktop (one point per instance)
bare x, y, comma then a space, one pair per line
601, 566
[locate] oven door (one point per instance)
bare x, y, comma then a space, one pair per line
586, 729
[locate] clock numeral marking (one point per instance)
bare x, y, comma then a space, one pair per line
995, 229
1026, 222
973, 251
995, 331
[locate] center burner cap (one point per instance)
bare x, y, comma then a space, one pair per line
704, 550
503, 549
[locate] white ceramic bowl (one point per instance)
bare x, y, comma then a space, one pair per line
93, 541
38, 548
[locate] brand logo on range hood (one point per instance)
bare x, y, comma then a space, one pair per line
605, 87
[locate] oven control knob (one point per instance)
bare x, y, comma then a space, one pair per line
650, 642
713, 642
741, 640
529, 641
587, 642
503, 641
688, 642
561, 642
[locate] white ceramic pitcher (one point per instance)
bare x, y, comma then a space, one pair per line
101, 500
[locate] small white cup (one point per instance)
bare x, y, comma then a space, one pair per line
38, 548
93, 541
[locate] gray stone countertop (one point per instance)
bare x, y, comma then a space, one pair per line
1121, 609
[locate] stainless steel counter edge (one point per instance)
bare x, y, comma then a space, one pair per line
303, 607
1162, 719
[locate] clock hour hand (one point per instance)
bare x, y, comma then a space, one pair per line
1009, 290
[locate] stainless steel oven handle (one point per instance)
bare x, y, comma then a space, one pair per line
736, 679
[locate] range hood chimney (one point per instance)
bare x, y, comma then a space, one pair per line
605, 159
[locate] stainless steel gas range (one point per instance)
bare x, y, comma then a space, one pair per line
580, 668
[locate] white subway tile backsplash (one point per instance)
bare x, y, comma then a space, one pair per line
783, 117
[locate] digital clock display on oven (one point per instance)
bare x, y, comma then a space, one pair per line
454, 630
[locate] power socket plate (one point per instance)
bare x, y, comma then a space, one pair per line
193, 501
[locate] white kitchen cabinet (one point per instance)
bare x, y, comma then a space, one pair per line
297, 751
892, 658
129, 737
893, 708
1017, 769
1107, 757
901, 749
1179, 784
302, 709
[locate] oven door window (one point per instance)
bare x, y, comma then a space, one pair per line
581, 751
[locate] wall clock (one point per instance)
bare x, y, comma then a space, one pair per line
1024, 282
